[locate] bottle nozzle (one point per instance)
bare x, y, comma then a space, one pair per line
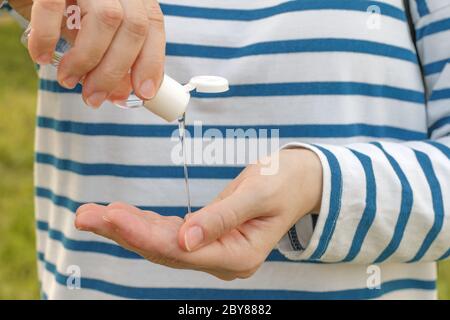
171, 99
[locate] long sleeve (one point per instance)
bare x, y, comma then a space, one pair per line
385, 201
5, 7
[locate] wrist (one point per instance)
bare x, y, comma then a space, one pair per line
308, 177
314, 180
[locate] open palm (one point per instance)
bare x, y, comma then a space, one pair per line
230, 238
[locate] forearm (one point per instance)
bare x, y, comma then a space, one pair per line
381, 202
390, 201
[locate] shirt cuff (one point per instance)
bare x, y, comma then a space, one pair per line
318, 242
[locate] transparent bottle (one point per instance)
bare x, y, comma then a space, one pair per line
172, 98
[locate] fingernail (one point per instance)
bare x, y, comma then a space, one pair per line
70, 82
148, 89
95, 100
193, 238
78, 227
44, 59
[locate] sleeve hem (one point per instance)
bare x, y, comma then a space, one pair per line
286, 246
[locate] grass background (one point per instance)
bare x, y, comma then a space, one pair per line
18, 85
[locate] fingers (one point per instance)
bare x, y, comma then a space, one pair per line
155, 238
117, 39
147, 72
130, 227
100, 22
121, 55
97, 219
122, 92
46, 20
219, 218
90, 218
148, 234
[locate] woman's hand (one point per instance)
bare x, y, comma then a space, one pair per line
231, 237
116, 37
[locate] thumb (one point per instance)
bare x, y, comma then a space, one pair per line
217, 219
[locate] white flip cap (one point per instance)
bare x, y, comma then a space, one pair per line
171, 101
209, 84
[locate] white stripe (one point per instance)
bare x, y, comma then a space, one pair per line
315, 24
140, 192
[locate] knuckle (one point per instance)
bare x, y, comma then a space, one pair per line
83, 62
52, 5
222, 222
113, 75
155, 15
117, 205
112, 16
87, 207
228, 219
45, 38
137, 24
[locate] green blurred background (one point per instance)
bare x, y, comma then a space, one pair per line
18, 85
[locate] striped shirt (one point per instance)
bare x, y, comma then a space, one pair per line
333, 76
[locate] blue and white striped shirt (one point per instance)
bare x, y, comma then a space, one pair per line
312, 69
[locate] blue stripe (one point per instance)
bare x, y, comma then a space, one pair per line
258, 294
335, 204
111, 249
86, 246
321, 89
405, 208
137, 171
438, 205
438, 124
440, 95
291, 89
433, 28
292, 46
443, 148
435, 67
285, 47
370, 210
53, 86
72, 205
285, 131
288, 6
445, 255
422, 7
